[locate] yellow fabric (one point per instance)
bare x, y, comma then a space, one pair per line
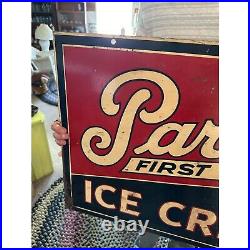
41, 158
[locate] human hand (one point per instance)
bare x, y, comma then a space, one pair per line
60, 133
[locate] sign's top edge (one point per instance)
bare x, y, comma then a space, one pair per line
159, 39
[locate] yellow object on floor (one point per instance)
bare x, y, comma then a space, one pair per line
41, 158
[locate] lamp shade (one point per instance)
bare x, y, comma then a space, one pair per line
43, 32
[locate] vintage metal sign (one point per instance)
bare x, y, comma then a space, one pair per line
143, 122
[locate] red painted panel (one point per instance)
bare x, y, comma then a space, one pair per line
87, 72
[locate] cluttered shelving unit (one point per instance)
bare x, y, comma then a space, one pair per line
43, 12
71, 17
77, 17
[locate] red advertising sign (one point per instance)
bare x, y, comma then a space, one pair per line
142, 116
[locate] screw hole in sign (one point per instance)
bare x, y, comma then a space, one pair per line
113, 41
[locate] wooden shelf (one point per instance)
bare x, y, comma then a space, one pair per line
40, 13
37, 23
71, 11
74, 25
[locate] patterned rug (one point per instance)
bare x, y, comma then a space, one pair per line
55, 226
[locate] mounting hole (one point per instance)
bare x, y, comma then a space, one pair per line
113, 41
